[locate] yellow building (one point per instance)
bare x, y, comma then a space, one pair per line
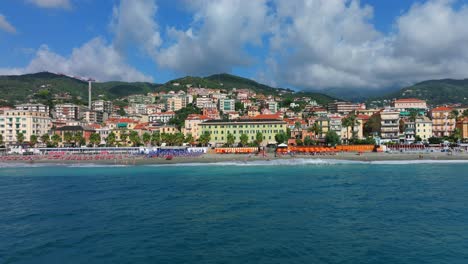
220, 129
423, 128
13, 122
462, 124
443, 123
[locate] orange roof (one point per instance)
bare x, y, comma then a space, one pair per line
121, 120
364, 117
409, 100
141, 126
442, 109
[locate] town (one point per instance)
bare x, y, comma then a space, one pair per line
221, 118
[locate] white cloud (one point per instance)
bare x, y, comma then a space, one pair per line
5, 25
65, 4
216, 40
94, 59
133, 22
332, 43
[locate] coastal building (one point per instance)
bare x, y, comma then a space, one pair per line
423, 128
33, 108
335, 125
74, 130
443, 122
462, 125
102, 106
344, 107
406, 104
250, 127
14, 122
192, 125
67, 111
140, 99
389, 125
272, 106
409, 134
226, 105
94, 116
163, 117
175, 103
202, 101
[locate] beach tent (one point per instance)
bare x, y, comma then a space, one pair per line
282, 145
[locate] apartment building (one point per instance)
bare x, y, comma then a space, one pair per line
443, 122
67, 111
102, 106
389, 125
226, 105
192, 125
344, 107
409, 103
423, 128
163, 117
220, 129
13, 122
33, 108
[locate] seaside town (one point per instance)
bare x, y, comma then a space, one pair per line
228, 121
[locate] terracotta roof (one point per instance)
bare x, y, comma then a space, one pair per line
141, 126
409, 100
365, 117
442, 109
268, 116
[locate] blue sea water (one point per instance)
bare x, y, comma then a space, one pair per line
252, 213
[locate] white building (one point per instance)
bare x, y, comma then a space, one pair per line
33, 108
227, 105
163, 117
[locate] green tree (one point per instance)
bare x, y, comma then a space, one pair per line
1, 140
20, 138
308, 141
281, 137
146, 138
454, 114
316, 129
156, 138
79, 139
230, 140
68, 137
332, 138
244, 139
124, 137
239, 107
33, 140
179, 139
181, 115
417, 138
189, 139
56, 139
258, 138
205, 138
94, 139
435, 140
134, 138
372, 126
465, 113
45, 139
111, 138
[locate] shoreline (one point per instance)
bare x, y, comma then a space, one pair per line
233, 159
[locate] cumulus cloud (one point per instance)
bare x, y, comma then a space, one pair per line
65, 4
332, 43
5, 25
216, 40
94, 59
133, 22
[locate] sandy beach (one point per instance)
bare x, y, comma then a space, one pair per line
244, 158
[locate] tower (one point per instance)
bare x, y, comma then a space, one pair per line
89, 94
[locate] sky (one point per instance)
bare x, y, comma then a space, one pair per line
299, 44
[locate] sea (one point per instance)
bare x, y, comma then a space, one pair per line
301, 211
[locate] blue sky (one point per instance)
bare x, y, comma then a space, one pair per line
303, 44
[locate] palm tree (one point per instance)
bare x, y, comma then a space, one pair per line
94, 139
56, 138
230, 139
110, 140
45, 139
244, 139
205, 138
146, 138
156, 138
20, 138
68, 137
134, 138
79, 139
454, 114
124, 137
189, 139
316, 129
33, 140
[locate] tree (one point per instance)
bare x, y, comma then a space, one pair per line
179, 139
134, 138
33, 140
68, 137
308, 141
111, 138
205, 138
401, 125
146, 138
239, 107
465, 113
20, 137
372, 126
332, 138
121, 112
181, 115
45, 139
123, 137
435, 140
454, 114
417, 138
413, 115
94, 139
299, 142
258, 138
1, 139
56, 138
189, 139
79, 139
244, 139
230, 140
316, 129
156, 138
281, 137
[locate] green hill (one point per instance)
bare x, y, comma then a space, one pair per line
435, 92
41, 86
19, 88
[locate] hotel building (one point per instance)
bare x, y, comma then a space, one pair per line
13, 122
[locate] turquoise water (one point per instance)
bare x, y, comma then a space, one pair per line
322, 213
